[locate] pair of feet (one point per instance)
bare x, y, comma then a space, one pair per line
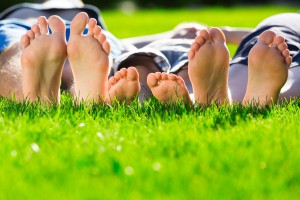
44, 55
208, 67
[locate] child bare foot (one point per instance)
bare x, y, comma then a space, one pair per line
208, 67
42, 60
168, 88
88, 57
124, 86
269, 61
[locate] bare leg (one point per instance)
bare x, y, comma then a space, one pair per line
88, 57
124, 86
168, 88
42, 60
11, 73
208, 67
269, 61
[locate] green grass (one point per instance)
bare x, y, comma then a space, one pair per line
151, 151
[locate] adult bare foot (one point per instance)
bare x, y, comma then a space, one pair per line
168, 88
42, 60
124, 86
208, 67
88, 57
269, 61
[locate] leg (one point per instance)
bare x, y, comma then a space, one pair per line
269, 61
42, 60
88, 57
11, 72
208, 67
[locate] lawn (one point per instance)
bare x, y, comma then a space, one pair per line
152, 151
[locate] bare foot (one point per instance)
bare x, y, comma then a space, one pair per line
168, 88
88, 57
124, 86
42, 60
269, 61
208, 67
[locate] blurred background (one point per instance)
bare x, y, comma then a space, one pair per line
104, 4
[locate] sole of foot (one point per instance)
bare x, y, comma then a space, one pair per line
208, 67
89, 59
269, 61
124, 86
168, 88
42, 60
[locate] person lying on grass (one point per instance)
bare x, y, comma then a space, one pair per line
207, 72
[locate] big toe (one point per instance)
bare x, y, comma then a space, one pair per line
152, 81
56, 24
79, 23
216, 35
267, 37
132, 74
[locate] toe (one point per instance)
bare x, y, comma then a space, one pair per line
106, 47
286, 53
279, 40
91, 24
25, 41
118, 75
200, 40
282, 46
172, 77
195, 46
56, 24
288, 60
132, 74
112, 81
43, 25
164, 76
30, 34
267, 37
78, 24
96, 31
152, 80
123, 72
191, 54
158, 75
36, 29
216, 35
180, 80
101, 38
